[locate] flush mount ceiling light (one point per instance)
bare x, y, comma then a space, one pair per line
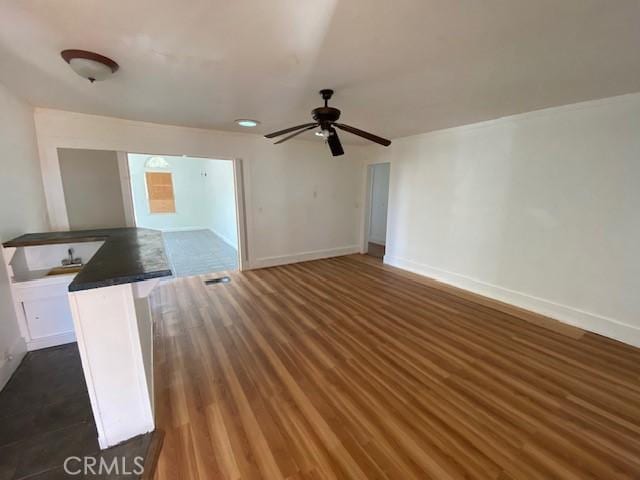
89, 65
247, 122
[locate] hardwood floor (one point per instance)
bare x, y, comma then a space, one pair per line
343, 368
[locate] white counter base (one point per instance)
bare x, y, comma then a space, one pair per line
115, 338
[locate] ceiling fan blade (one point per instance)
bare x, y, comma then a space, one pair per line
294, 134
287, 130
334, 143
363, 134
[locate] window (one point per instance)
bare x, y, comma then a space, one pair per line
160, 192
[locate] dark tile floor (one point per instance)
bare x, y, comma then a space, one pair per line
45, 417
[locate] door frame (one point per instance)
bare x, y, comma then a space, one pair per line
125, 186
368, 201
238, 189
57, 209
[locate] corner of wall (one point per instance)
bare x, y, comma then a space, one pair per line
11, 359
562, 313
23, 209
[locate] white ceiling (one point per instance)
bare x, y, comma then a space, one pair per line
398, 67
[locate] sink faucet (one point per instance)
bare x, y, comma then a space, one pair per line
70, 260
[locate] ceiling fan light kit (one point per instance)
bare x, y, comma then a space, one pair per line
326, 118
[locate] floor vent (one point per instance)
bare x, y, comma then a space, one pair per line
217, 280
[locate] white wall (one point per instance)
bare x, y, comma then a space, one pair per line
22, 209
301, 203
203, 192
379, 203
539, 210
221, 200
188, 190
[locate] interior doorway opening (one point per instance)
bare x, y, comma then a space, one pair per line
376, 225
192, 200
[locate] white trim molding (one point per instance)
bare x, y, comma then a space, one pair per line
304, 256
51, 340
607, 327
378, 241
181, 229
223, 238
125, 187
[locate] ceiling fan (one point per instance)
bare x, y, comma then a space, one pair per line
326, 118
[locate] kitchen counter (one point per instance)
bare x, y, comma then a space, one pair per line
113, 326
128, 255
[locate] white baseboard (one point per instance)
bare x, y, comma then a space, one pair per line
179, 229
51, 341
18, 350
607, 327
303, 256
224, 239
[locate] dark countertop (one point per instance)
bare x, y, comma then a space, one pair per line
128, 255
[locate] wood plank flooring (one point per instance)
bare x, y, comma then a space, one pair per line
343, 368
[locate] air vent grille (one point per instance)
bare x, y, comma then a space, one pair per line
213, 281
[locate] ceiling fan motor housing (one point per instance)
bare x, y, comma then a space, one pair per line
325, 116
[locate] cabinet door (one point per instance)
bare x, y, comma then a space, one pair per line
48, 316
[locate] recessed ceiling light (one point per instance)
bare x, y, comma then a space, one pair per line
247, 122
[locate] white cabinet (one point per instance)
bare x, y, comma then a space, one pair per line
42, 301
48, 316
46, 311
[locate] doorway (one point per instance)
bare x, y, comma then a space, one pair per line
192, 200
376, 225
